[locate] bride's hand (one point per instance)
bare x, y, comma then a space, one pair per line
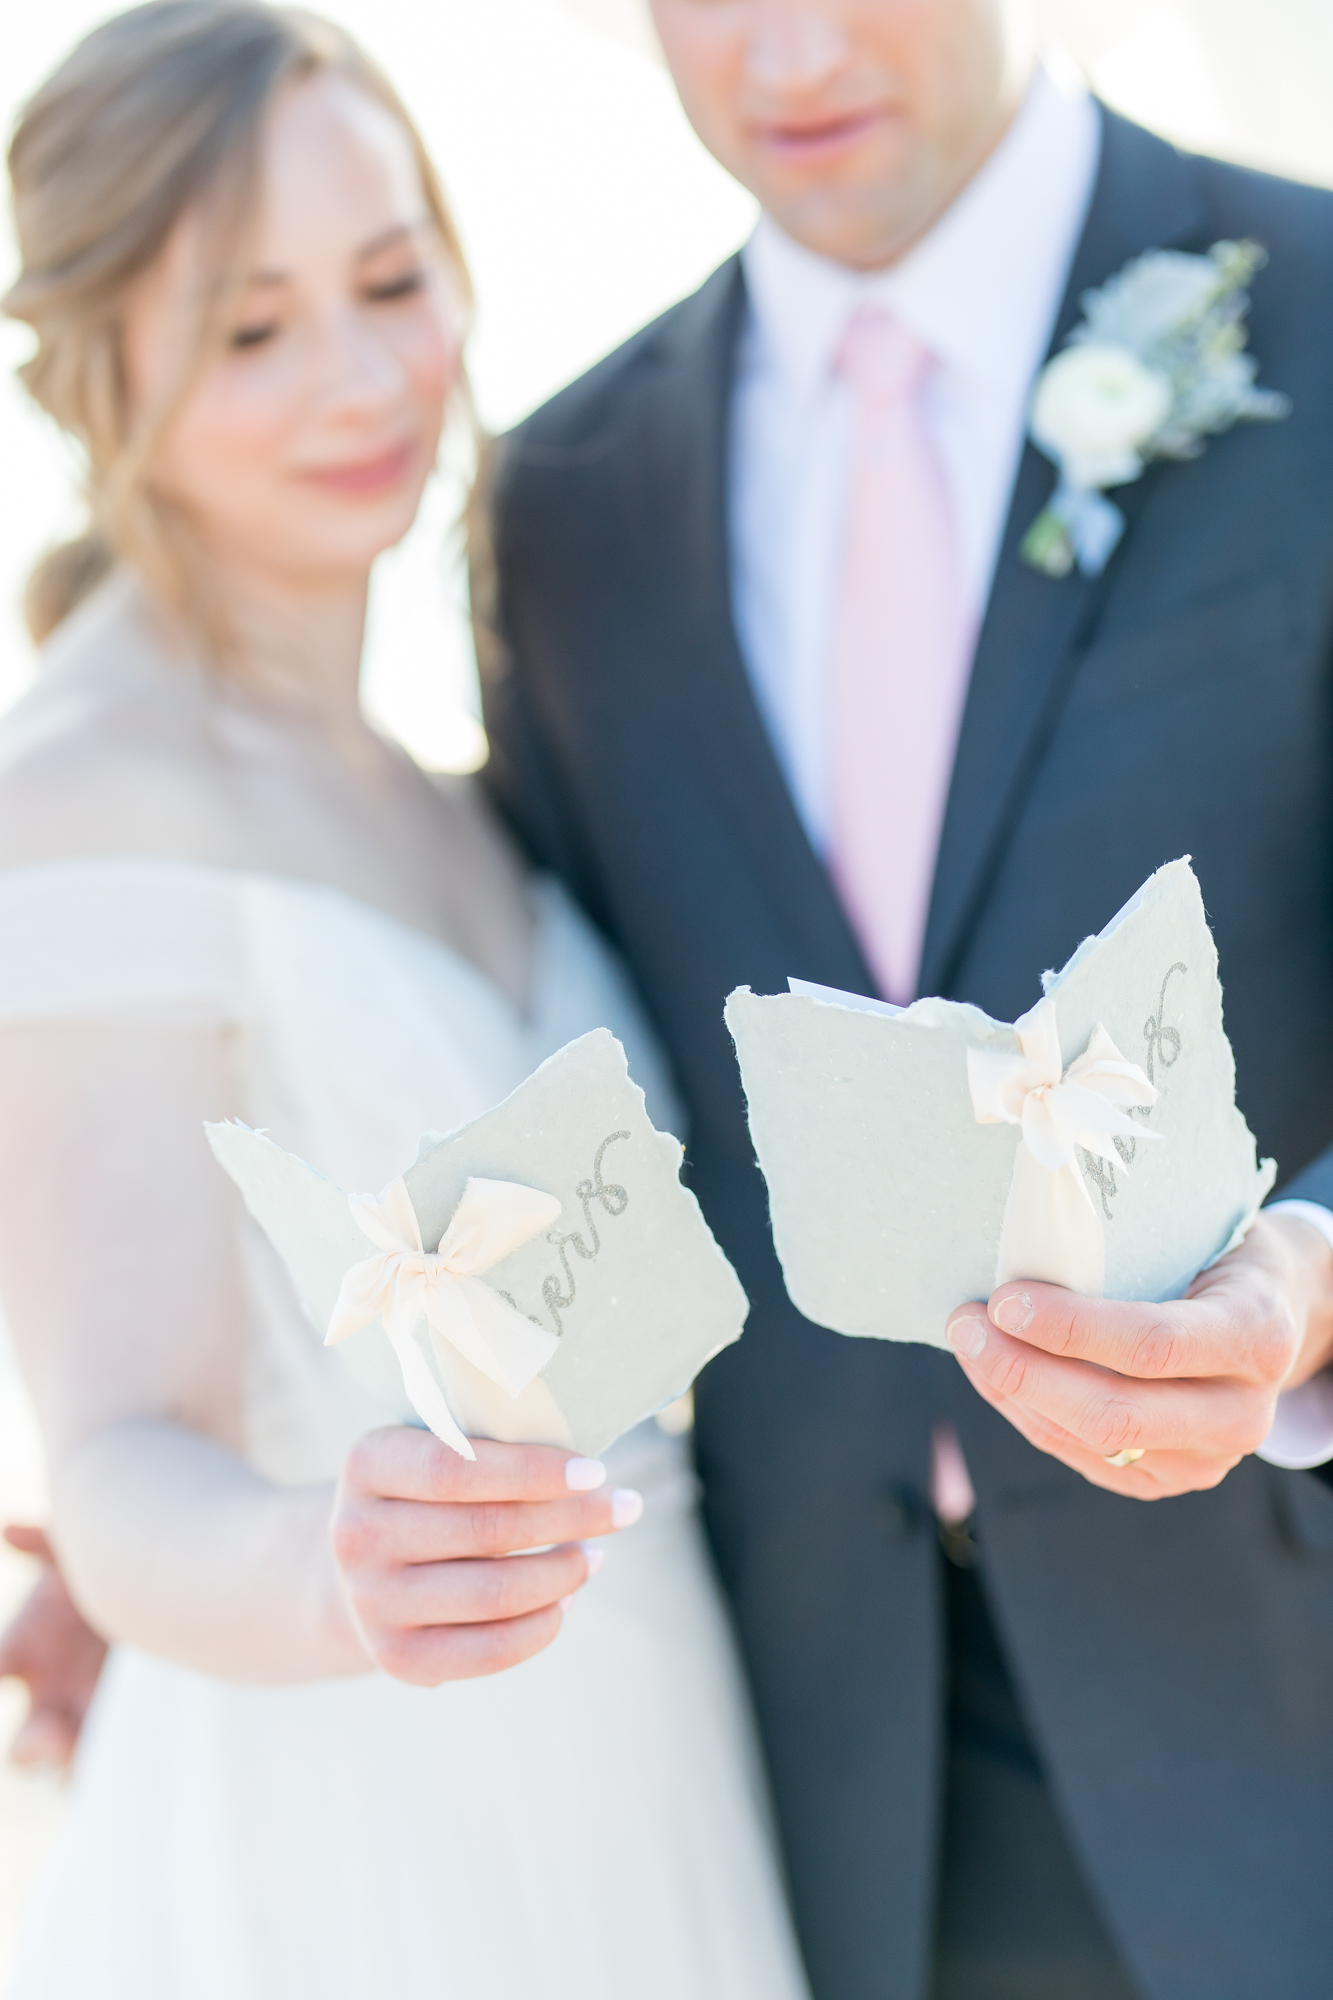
426, 1545
49, 1645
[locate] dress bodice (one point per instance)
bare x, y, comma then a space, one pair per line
352, 1034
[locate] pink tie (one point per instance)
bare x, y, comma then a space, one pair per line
901, 654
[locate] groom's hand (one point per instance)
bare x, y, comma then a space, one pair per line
1191, 1385
429, 1548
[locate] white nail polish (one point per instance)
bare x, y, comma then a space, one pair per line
565, 1602
626, 1507
584, 1475
595, 1557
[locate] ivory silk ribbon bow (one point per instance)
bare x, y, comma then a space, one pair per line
1051, 1229
405, 1283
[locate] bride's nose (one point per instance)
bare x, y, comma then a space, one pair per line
355, 365
795, 48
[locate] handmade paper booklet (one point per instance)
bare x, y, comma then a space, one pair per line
917, 1157
539, 1276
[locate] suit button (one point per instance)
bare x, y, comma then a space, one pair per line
900, 1512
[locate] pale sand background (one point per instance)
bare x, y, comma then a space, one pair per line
586, 206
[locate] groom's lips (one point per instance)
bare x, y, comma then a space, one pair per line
817, 139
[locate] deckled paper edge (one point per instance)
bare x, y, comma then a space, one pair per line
1265, 1171
1265, 1177
928, 1012
215, 1131
960, 1015
931, 1011
1051, 981
675, 1151
429, 1142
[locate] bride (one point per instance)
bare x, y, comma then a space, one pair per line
348, 1743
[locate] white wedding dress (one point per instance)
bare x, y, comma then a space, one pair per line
589, 1826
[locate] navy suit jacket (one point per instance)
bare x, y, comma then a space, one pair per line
1176, 1659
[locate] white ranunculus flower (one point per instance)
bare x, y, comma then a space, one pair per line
1093, 408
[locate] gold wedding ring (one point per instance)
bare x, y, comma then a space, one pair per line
1127, 1457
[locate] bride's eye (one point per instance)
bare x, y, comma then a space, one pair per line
397, 288
255, 335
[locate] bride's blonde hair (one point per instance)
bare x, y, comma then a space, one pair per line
158, 111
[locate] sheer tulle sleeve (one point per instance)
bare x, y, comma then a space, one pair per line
85, 939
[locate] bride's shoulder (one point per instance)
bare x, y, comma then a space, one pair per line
108, 751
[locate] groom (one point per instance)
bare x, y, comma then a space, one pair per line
769, 682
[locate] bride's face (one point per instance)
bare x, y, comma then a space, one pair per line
301, 450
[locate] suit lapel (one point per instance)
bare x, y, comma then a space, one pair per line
1034, 630
679, 478
1036, 627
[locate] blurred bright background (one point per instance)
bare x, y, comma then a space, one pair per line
586, 206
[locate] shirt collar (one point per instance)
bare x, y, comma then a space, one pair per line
980, 289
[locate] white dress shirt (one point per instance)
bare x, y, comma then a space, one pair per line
981, 290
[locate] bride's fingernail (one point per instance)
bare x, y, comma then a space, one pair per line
565, 1602
41, 1741
967, 1336
626, 1507
582, 1475
594, 1557
1011, 1315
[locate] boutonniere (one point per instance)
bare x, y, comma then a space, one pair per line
1156, 365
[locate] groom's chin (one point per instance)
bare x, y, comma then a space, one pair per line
860, 203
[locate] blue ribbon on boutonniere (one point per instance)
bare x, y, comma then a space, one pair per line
1156, 366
